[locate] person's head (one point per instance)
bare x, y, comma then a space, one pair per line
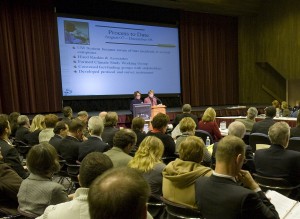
237, 129
279, 133
76, 128
230, 154
42, 160
95, 125
67, 112
148, 154
252, 113
4, 127
111, 119
92, 166
61, 128
83, 116
160, 122
151, 93
13, 117
102, 116
137, 95
209, 115
38, 123
23, 120
186, 108
270, 111
51, 120
137, 124
191, 149
284, 105
276, 104
187, 124
118, 193
125, 139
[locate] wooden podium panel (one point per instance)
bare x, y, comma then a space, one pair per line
157, 109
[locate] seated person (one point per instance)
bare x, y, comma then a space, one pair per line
10, 183
285, 109
13, 121
264, 125
110, 128
136, 100
276, 161
92, 166
250, 120
187, 128
94, 141
47, 133
152, 99
110, 199
222, 196
123, 142
160, 125
295, 131
23, 129
60, 131
147, 160
186, 112
208, 123
69, 145
37, 125
9, 152
67, 114
137, 125
237, 129
38, 190
180, 175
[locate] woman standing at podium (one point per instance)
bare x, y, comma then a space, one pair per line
136, 100
152, 99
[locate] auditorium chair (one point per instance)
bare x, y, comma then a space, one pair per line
73, 171
203, 134
259, 138
294, 144
179, 211
274, 183
156, 207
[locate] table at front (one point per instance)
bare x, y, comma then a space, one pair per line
229, 119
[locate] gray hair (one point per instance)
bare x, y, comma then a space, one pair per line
237, 129
252, 113
279, 133
82, 113
95, 125
22, 120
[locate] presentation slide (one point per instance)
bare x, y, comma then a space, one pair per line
109, 58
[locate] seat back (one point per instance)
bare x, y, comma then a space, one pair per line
167, 160
246, 138
294, 144
176, 211
273, 183
258, 138
156, 207
203, 134
73, 171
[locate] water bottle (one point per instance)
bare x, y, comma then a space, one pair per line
207, 142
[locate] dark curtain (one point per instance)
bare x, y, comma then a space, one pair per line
29, 77
209, 59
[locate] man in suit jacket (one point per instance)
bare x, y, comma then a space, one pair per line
8, 151
23, 129
111, 121
264, 125
60, 131
69, 146
221, 196
276, 161
186, 112
295, 131
94, 141
250, 120
124, 141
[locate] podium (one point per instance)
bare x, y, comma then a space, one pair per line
157, 109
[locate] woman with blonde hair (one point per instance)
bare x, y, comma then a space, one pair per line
147, 160
37, 125
208, 123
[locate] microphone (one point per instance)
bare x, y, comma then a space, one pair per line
158, 100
